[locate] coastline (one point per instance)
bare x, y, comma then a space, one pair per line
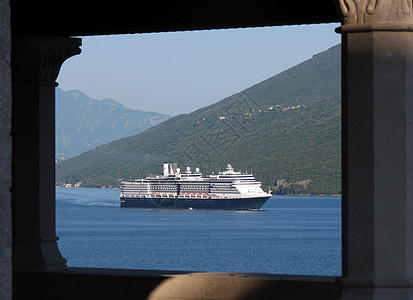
117, 188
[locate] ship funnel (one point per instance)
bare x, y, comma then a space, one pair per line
169, 168
165, 169
172, 168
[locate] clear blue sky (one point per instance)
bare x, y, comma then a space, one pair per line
179, 72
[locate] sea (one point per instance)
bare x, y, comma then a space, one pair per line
294, 235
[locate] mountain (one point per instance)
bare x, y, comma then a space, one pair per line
286, 130
83, 123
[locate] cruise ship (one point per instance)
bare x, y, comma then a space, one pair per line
189, 190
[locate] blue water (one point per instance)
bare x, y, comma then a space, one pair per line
290, 235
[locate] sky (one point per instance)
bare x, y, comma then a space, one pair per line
179, 72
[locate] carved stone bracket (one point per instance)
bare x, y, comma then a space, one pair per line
37, 59
376, 11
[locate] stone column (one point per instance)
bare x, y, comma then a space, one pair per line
36, 62
377, 50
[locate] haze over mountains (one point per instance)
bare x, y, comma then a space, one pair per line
83, 123
286, 130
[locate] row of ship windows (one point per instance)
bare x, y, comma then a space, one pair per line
182, 188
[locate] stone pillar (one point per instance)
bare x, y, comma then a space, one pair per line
5, 152
377, 50
36, 62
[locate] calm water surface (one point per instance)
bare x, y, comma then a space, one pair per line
290, 235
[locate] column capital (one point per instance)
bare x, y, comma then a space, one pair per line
394, 13
37, 59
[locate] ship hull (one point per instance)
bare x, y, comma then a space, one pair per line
196, 203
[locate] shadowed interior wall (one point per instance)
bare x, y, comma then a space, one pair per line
377, 55
5, 152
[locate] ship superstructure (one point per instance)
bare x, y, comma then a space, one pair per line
189, 190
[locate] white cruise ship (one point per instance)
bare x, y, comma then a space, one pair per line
189, 190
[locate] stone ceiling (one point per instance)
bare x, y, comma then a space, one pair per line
87, 17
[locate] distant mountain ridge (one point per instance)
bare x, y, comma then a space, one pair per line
83, 123
286, 130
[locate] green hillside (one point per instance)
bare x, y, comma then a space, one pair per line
286, 129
